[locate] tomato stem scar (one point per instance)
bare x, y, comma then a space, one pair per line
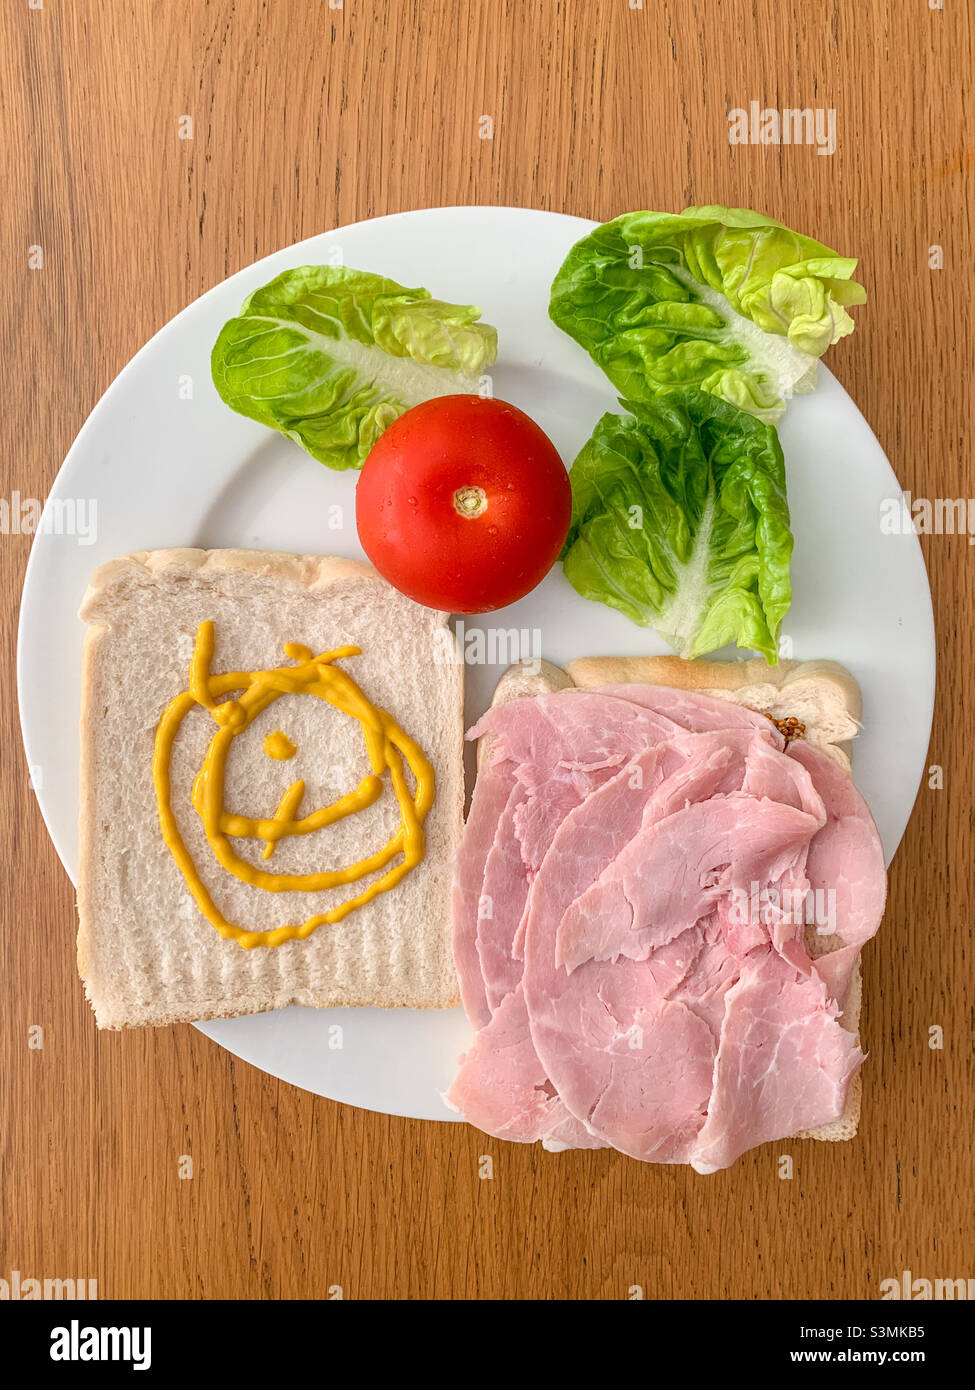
470, 501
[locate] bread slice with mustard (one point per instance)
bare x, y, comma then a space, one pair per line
166, 936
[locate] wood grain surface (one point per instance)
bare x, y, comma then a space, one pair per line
307, 116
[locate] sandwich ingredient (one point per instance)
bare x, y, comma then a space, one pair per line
143, 960
463, 505
279, 746
386, 745
722, 299
330, 356
558, 752
644, 981
680, 520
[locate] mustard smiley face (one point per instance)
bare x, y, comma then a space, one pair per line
386, 746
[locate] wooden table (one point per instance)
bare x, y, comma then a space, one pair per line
306, 116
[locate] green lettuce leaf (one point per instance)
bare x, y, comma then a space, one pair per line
331, 356
717, 298
680, 520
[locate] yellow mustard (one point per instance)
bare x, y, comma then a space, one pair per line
279, 746
386, 745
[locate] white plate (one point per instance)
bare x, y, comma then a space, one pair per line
165, 470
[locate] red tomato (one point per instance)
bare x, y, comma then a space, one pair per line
463, 504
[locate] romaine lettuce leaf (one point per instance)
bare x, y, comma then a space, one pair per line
680, 520
331, 356
722, 299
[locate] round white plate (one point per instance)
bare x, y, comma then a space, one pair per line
164, 462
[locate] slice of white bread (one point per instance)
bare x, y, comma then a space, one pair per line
146, 953
822, 695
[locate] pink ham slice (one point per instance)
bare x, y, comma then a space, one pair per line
543, 763
540, 735
528, 1111
675, 871
556, 760
784, 1063
570, 735
503, 896
698, 714
550, 746
846, 859
501, 1086
630, 1041
702, 839
491, 793
655, 1054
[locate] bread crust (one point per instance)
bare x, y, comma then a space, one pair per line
86, 800
309, 572
707, 677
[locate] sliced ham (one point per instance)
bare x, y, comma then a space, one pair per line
504, 892
618, 993
544, 762
784, 1063
574, 733
675, 871
698, 714
501, 1086
607, 1037
491, 793
846, 859
575, 761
